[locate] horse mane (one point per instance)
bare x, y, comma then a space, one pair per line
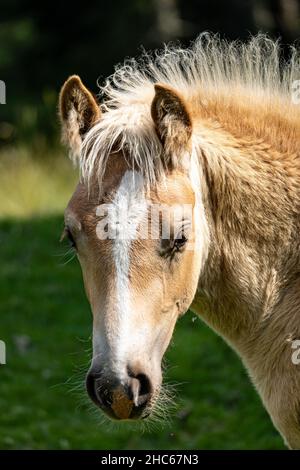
216, 78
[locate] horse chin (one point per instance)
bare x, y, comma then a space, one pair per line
124, 409
137, 414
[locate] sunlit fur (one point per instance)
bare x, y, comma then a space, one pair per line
244, 171
232, 85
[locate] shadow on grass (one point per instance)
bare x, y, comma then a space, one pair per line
46, 324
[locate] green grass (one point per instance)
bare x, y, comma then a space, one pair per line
34, 182
46, 324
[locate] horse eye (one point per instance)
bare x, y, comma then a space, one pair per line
180, 242
68, 234
169, 247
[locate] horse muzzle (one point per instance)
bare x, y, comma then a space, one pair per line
129, 398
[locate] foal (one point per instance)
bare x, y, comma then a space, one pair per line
209, 138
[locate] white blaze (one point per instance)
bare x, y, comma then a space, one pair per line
128, 210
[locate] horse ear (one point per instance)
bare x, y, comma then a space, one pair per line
78, 111
172, 121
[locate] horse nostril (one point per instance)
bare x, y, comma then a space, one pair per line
140, 389
90, 383
145, 384
99, 396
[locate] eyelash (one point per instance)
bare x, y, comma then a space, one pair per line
70, 238
173, 247
180, 242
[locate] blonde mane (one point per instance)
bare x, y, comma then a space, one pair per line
245, 89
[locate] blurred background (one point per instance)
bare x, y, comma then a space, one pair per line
44, 318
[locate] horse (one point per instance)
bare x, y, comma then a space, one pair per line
212, 128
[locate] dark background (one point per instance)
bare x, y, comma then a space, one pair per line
42, 42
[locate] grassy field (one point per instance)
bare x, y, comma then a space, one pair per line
46, 324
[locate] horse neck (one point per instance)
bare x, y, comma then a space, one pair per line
250, 203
